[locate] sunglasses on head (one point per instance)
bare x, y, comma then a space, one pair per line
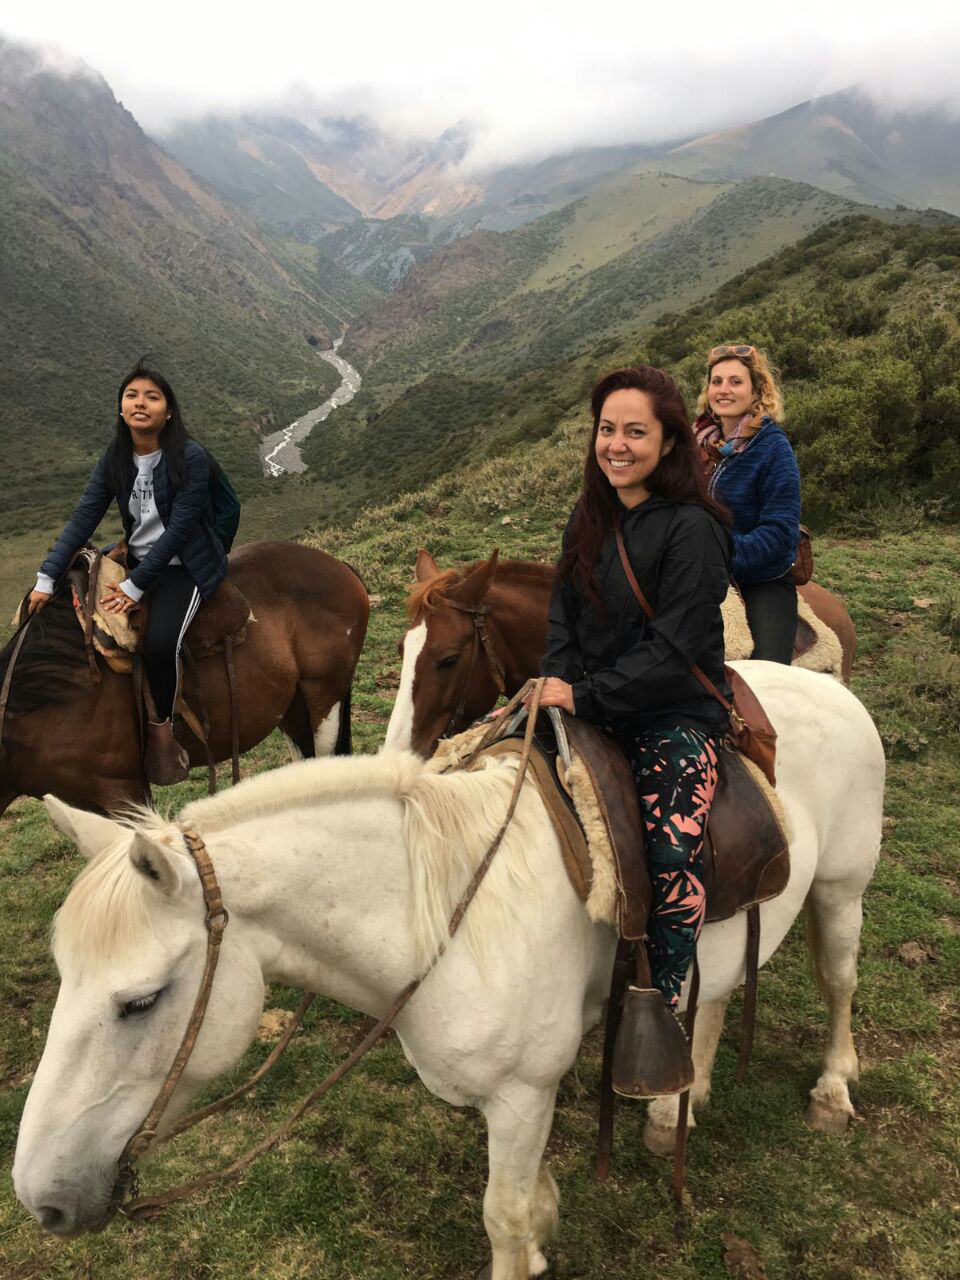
726, 350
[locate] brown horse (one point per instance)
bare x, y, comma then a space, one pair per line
65, 732
480, 630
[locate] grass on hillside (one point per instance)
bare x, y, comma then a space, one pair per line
385, 1182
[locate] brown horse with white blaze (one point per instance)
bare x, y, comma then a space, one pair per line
480, 630
78, 737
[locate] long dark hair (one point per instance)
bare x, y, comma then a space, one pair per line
678, 476
173, 437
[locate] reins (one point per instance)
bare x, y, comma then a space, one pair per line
479, 639
216, 918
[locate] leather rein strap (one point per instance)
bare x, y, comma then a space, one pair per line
12, 662
216, 918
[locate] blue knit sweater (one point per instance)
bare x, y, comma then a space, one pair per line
761, 488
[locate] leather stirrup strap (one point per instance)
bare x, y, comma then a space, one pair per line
199, 722
622, 966
750, 991
234, 723
136, 671
680, 1146
89, 610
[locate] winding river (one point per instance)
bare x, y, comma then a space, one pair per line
279, 452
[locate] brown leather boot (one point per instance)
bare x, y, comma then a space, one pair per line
651, 1055
164, 760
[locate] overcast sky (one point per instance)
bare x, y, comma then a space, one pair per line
529, 77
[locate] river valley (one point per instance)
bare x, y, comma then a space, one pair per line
280, 451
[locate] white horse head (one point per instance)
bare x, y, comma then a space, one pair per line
129, 943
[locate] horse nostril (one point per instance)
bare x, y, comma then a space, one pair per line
51, 1218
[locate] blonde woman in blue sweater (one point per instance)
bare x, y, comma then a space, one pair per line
753, 472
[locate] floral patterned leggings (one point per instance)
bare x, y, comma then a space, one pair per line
676, 775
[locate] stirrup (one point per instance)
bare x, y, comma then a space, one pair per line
651, 1056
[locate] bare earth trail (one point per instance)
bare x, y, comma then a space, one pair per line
279, 451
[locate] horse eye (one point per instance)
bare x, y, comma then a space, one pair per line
450, 661
143, 1004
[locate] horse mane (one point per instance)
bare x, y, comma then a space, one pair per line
449, 821
108, 906
429, 594
52, 665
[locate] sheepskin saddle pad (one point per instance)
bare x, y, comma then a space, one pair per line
816, 646
592, 803
117, 636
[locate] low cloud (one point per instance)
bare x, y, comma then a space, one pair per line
527, 78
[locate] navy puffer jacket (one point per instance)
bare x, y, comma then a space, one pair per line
761, 488
187, 519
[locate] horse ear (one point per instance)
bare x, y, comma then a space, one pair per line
474, 588
88, 831
426, 567
158, 863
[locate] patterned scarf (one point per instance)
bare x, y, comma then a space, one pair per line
713, 448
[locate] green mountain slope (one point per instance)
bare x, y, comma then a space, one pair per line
863, 316
111, 249
843, 142
474, 313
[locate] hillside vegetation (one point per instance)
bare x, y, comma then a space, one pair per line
862, 317
111, 249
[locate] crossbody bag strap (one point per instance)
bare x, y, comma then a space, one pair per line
705, 680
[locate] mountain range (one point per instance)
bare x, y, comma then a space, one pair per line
226, 245
112, 249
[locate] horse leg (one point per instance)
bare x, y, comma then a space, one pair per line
520, 1202
297, 729
660, 1132
834, 917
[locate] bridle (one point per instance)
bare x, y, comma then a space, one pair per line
479, 640
215, 920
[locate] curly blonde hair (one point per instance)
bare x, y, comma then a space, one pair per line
767, 396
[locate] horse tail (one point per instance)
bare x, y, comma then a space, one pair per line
344, 743
814, 944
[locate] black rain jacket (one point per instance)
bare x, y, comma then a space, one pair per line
631, 673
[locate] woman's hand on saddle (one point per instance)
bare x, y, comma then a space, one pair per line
117, 601
37, 600
556, 693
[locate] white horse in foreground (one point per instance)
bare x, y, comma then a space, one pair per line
339, 876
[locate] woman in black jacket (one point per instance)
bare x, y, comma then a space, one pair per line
606, 661
160, 480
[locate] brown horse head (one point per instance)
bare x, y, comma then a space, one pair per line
456, 655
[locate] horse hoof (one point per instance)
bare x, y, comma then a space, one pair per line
659, 1139
827, 1119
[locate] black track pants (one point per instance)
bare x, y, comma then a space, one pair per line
772, 614
174, 599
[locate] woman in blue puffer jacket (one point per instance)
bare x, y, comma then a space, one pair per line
753, 472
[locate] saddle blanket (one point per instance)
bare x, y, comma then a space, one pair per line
596, 817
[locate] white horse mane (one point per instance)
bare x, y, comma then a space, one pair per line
449, 821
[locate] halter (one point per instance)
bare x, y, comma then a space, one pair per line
216, 919
480, 638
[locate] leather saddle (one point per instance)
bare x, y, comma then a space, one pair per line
746, 858
117, 637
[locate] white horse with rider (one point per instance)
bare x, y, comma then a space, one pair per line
339, 876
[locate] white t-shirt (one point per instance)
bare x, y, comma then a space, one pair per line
147, 526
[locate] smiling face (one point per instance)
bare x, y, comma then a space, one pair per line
630, 443
730, 389
144, 409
